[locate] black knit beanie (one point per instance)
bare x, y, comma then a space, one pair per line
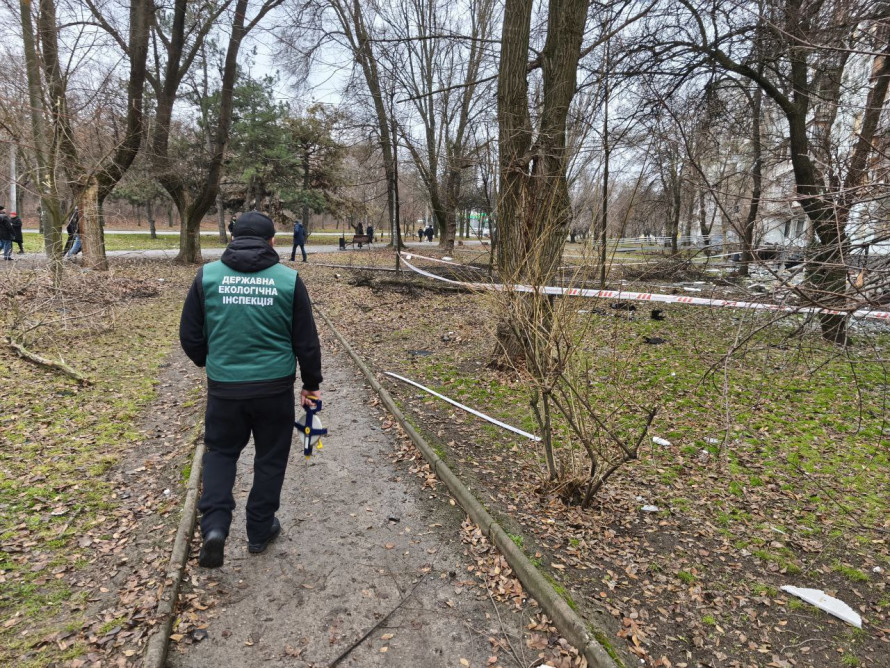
254, 224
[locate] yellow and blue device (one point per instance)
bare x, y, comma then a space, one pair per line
309, 425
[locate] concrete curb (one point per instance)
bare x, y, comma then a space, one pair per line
570, 624
156, 647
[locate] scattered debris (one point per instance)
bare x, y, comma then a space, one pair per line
710, 440
661, 441
656, 314
654, 340
650, 509
199, 634
622, 306
758, 287
827, 603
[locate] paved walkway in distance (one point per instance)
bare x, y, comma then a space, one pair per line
360, 540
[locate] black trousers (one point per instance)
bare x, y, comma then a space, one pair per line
293, 251
229, 424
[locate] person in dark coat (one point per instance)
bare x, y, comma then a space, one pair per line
370, 232
6, 234
299, 240
429, 232
420, 234
17, 232
247, 319
73, 230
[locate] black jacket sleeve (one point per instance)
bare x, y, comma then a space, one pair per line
305, 339
191, 323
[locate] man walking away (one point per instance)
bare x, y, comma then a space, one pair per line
245, 319
17, 232
299, 240
370, 232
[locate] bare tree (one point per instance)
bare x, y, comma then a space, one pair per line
92, 184
806, 52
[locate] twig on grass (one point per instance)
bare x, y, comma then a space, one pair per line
43, 361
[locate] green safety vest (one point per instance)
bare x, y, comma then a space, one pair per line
248, 323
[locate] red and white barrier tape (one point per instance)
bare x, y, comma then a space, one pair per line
649, 297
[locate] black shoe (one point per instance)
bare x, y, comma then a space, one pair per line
212, 550
256, 548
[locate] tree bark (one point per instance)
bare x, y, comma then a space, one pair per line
149, 212
534, 210
747, 231
221, 219
44, 149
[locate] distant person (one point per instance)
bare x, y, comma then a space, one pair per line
17, 232
77, 246
360, 230
370, 233
420, 234
6, 234
247, 319
299, 240
72, 228
429, 232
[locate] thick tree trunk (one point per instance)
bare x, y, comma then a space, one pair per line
51, 219
91, 227
534, 210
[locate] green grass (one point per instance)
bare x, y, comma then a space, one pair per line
58, 447
801, 460
850, 573
781, 556
686, 577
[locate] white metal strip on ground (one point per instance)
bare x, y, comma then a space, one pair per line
466, 408
434, 259
652, 297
